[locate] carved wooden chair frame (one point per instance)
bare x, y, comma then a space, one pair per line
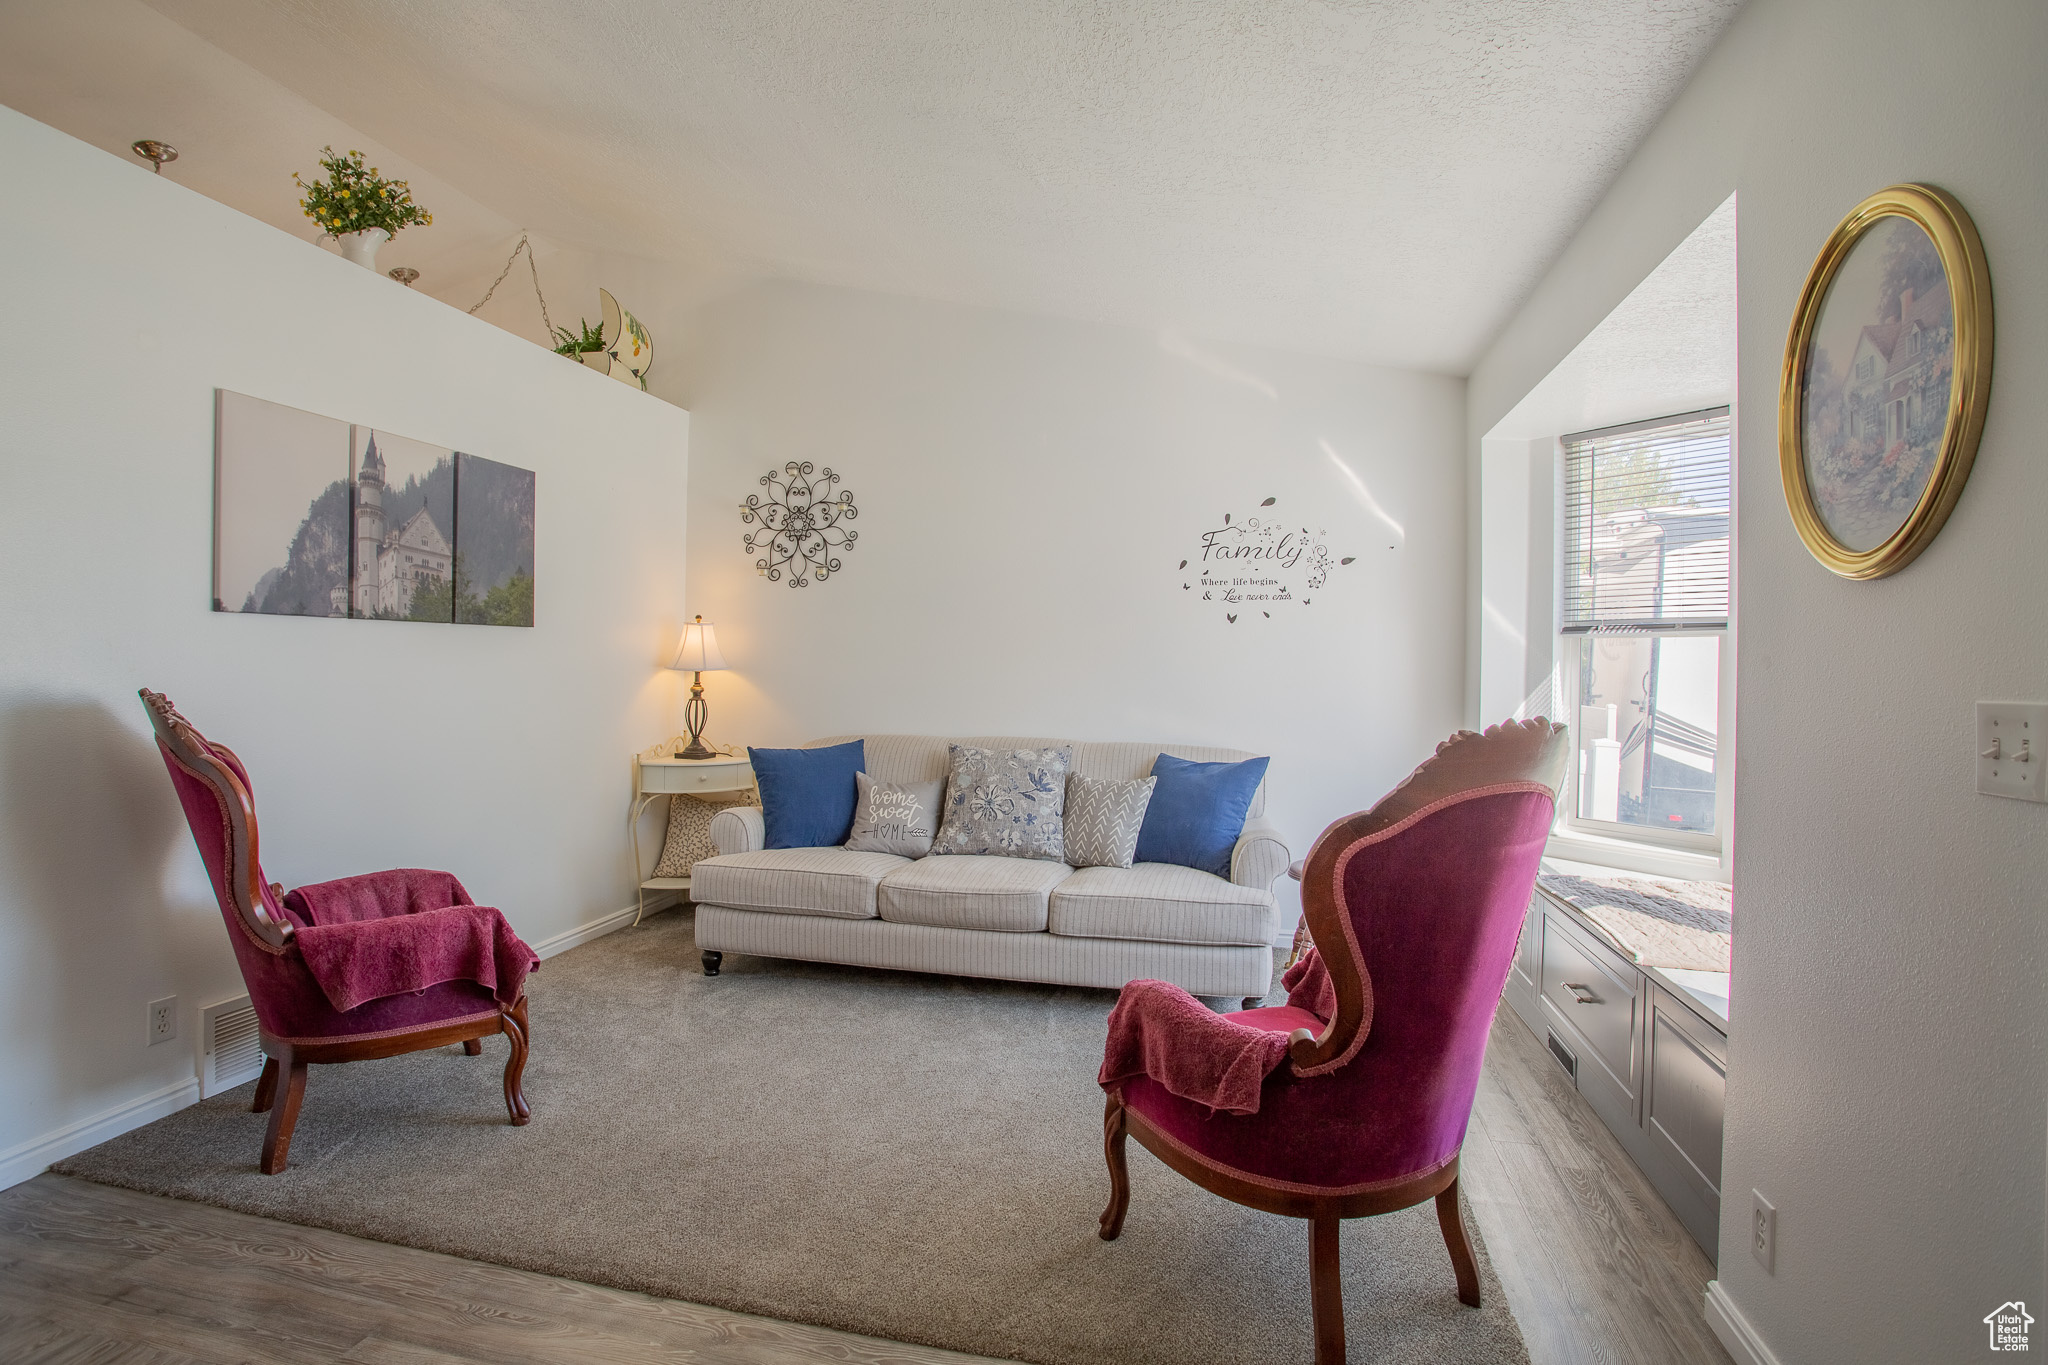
1511, 755
282, 1086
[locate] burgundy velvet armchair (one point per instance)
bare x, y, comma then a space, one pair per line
457, 968
1414, 907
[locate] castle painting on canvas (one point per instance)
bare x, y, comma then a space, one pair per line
280, 509
318, 517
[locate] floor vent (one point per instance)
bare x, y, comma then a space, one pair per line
231, 1050
1564, 1055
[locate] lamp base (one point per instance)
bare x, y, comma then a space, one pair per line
695, 714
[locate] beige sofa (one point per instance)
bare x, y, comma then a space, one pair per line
1013, 918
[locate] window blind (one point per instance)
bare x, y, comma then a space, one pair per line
1646, 544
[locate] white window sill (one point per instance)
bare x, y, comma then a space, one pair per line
1626, 855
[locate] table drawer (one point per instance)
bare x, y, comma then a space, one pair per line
710, 777
1597, 1002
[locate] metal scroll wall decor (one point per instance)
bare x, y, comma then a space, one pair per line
801, 524
1259, 564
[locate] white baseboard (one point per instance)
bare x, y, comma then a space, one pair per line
597, 928
33, 1157
1734, 1330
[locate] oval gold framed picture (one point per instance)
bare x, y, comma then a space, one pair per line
1887, 371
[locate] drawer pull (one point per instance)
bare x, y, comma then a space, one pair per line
1581, 993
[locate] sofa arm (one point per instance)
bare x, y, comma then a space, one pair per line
738, 829
1260, 856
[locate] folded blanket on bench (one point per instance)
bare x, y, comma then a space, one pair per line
1216, 1060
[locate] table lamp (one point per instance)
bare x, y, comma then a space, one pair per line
697, 655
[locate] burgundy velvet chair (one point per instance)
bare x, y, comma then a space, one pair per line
1415, 906
297, 1022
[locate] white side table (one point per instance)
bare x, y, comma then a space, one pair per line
655, 779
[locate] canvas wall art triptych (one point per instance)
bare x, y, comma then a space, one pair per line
314, 516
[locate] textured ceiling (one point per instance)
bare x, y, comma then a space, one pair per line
1669, 347
1381, 179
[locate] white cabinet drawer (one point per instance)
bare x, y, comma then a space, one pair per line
682, 775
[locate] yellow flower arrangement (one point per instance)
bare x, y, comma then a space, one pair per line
354, 198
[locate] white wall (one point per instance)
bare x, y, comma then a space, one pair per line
1887, 1087
1027, 489
500, 754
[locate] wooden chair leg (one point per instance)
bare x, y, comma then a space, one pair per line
266, 1087
284, 1116
472, 1047
1452, 1221
514, 1023
1113, 1132
1326, 1287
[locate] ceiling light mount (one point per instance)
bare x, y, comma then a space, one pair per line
154, 152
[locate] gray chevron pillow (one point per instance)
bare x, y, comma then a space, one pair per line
1103, 819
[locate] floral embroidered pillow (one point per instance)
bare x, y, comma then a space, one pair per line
1006, 802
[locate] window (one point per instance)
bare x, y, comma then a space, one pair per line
1866, 368
1644, 613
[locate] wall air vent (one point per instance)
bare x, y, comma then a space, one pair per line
231, 1053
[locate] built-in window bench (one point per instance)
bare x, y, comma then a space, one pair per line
1625, 979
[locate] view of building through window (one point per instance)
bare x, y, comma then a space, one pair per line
1645, 593
1649, 713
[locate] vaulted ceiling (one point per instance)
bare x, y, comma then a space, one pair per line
1378, 179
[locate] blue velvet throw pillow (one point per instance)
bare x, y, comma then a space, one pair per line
807, 795
1197, 812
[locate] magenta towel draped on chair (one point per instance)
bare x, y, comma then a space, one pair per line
1220, 1061
398, 932
375, 895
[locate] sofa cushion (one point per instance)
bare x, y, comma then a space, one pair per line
966, 891
1103, 818
1160, 903
895, 817
796, 881
1005, 803
807, 795
1197, 811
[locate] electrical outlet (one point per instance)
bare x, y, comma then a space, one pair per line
163, 1020
1763, 1231
2012, 750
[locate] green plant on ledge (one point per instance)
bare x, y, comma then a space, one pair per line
354, 198
572, 344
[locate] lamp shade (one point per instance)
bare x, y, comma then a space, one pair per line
698, 652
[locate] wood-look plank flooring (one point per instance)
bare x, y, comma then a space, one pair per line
1596, 1269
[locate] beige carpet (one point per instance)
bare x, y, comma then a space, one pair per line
909, 1156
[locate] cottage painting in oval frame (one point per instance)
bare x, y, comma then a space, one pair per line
1887, 371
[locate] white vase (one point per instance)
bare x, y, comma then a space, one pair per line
361, 247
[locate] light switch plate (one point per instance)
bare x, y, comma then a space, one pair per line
2012, 749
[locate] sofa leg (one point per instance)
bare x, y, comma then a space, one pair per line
472, 1047
711, 961
1114, 1129
1326, 1287
1252, 1002
284, 1114
1452, 1222
513, 1021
